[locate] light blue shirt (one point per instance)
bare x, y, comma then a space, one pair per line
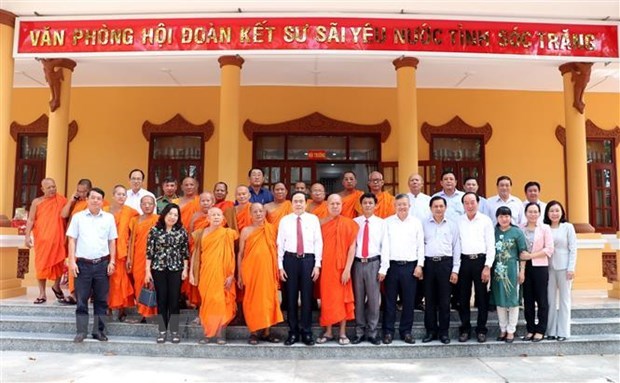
92, 233
442, 240
455, 208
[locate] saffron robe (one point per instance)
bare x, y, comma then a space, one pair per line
318, 210
49, 238
139, 234
121, 292
351, 206
385, 205
276, 215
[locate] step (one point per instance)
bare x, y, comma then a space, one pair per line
239, 349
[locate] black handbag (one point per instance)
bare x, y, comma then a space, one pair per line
148, 297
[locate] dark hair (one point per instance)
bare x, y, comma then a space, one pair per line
300, 193
136, 170
168, 180
369, 195
250, 173
470, 178
530, 204
448, 171
277, 183
161, 223
551, 204
96, 190
530, 184
503, 178
86, 182
503, 210
437, 198
349, 171
401, 196
221, 183
472, 193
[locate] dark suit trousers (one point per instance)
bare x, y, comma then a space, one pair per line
299, 272
399, 281
471, 272
437, 295
535, 295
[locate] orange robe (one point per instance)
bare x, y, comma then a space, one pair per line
190, 291
223, 205
338, 235
49, 238
121, 292
244, 217
259, 273
319, 210
276, 215
139, 234
188, 210
351, 206
385, 205
215, 264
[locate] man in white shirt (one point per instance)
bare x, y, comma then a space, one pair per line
504, 198
300, 250
135, 191
451, 194
471, 185
477, 237
532, 194
418, 200
406, 242
369, 270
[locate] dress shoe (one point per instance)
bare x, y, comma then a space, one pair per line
501, 338
551, 337
510, 340
100, 337
308, 340
79, 338
291, 340
374, 340
482, 338
429, 338
387, 338
358, 339
444, 339
464, 337
536, 339
561, 338
408, 338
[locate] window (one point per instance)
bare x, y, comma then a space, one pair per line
602, 186
176, 156
30, 169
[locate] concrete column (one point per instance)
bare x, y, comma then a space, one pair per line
7, 145
58, 74
576, 77
228, 129
407, 126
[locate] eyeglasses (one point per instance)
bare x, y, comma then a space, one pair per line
376, 181
136, 179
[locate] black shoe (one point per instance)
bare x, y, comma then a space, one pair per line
387, 338
408, 338
374, 340
100, 337
444, 339
482, 338
358, 339
551, 337
561, 338
291, 340
510, 340
464, 337
429, 338
79, 338
501, 338
308, 340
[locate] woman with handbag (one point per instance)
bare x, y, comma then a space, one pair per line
167, 254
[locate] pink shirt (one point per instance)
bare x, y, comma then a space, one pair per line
543, 241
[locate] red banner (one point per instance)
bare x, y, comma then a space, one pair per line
45, 36
317, 155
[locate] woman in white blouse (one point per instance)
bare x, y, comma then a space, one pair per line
561, 271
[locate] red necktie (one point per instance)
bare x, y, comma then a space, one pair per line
300, 237
365, 241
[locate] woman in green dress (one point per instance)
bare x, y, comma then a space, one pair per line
506, 273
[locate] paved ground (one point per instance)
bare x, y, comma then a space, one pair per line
54, 367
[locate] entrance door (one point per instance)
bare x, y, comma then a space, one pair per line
603, 197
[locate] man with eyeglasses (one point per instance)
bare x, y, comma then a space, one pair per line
385, 201
135, 191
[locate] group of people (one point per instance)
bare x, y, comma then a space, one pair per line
356, 252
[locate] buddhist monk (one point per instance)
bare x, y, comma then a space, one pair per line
189, 203
220, 191
300, 186
258, 274
136, 261
337, 301
280, 206
317, 205
351, 207
48, 228
213, 271
239, 216
200, 219
121, 294
385, 201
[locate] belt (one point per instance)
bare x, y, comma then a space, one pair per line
295, 255
94, 261
368, 259
438, 259
473, 256
401, 263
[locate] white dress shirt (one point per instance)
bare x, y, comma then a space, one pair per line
133, 199
378, 242
419, 205
442, 240
311, 232
477, 236
515, 205
455, 208
92, 233
405, 238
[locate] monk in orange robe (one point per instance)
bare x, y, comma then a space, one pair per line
220, 191
317, 205
189, 204
385, 201
339, 237
258, 273
139, 228
213, 271
121, 293
280, 206
351, 207
48, 228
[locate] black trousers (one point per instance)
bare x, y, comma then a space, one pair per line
437, 295
91, 278
168, 289
535, 295
471, 272
299, 272
399, 281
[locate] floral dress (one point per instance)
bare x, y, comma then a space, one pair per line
505, 273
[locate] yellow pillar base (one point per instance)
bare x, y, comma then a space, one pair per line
30, 278
10, 285
589, 269
614, 292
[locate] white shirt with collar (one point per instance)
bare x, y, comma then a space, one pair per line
378, 241
419, 205
311, 232
515, 205
454, 208
405, 238
442, 240
92, 233
477, 236
133, 199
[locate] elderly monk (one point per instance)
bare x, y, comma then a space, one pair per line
200, 219
136, 260
213, 271
258, 274
48, 229
317, 204
351, 207
121, 293
337, 301
189, 203
239, 216
280, 206
220, 191
385, 201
